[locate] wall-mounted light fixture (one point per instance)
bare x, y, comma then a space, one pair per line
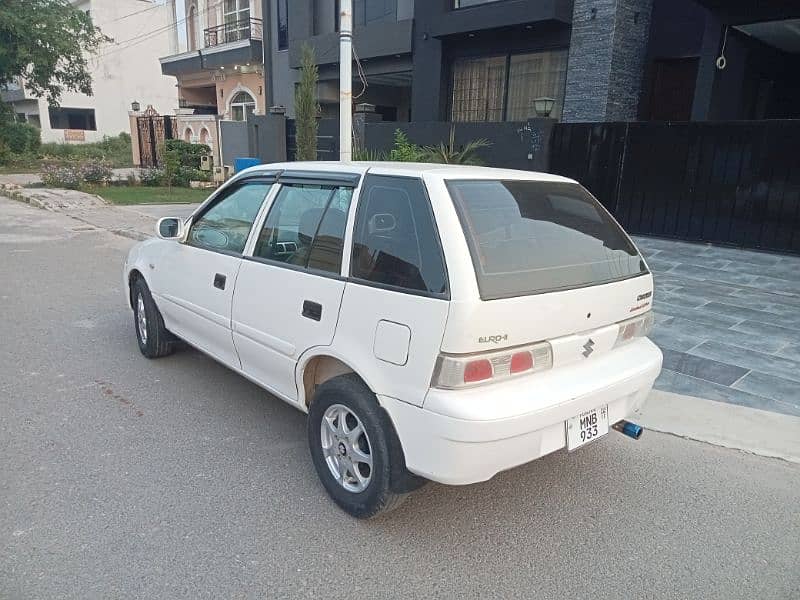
543, 106
135, 106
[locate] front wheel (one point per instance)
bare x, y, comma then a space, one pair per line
354, 447
154, 339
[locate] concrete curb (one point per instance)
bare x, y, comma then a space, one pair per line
721, 424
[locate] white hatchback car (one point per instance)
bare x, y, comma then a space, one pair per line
436, 322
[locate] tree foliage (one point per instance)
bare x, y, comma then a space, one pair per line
48, 43
306, 107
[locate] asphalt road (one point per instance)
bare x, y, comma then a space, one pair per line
122, 477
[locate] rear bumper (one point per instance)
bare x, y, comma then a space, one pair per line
467, 436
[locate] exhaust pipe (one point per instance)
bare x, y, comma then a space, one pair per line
632, 430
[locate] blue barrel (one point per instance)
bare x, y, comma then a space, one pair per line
240, 164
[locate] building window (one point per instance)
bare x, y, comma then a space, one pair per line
503, 88
193, 27
531, 76
72, 118
242, 106
283, 24
466, 3
366, 12
237, 20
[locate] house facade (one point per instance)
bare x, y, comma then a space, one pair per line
123, 71
218, 67
596, 60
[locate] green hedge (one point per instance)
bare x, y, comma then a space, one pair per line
20, 138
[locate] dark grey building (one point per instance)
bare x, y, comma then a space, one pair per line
598, 60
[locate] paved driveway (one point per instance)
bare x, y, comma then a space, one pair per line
728, 321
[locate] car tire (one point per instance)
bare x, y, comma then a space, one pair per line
341, 405
153, 337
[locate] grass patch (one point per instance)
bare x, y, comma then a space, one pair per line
120, 194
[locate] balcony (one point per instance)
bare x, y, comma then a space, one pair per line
228, 45
233, 31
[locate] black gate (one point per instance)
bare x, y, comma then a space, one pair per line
153, 130
327, 139
733, 183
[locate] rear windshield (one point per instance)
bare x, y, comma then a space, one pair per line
530, 237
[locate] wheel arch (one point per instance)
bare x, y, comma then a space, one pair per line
316, 367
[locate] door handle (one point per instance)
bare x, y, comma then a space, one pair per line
219, 281
312, 310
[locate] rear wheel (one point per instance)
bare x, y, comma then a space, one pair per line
355, 449
154, 339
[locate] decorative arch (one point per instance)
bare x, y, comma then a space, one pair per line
188, 134
235, 99
205, 134
193, 27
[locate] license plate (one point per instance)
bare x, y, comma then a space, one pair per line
587, 427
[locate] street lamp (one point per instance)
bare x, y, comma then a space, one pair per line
135, 106
543, 106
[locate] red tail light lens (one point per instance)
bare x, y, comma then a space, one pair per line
521, 361
477, 370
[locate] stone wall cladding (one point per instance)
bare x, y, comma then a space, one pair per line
606, 59
628, 59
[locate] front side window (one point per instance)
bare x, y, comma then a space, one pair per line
305, 227
529, 237
395, 241
504, 88
226, 224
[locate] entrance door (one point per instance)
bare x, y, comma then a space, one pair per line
289, 292
195, 280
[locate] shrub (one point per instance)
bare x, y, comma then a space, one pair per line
306, 107
116, 150
404, 151
188, 155
151, 177
75, 174
63, 175
98, 172
20, 138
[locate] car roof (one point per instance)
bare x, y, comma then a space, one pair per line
443, 171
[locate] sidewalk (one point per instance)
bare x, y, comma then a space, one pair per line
136, 221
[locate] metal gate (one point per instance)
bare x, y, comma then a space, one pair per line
153, 130
733, 182
327, 139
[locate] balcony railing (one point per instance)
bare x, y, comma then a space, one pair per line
233, 31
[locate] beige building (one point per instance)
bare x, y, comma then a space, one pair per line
123, 71
218, 66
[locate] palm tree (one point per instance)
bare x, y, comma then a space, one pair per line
450, 154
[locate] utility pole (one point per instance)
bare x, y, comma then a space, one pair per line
346, 80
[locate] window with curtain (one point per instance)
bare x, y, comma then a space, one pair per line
242, 106
531, 76
478, 89
503, 88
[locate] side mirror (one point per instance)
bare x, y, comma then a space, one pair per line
169, 228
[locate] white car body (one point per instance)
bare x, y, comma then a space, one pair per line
392, 339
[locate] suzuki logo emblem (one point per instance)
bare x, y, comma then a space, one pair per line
588, 348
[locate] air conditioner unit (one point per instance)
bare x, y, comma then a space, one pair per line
219, 174
206, 162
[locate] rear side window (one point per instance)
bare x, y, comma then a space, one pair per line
395, 240
305, 227
529, 237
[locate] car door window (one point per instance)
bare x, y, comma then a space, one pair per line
395, 242
226, 224
305, 227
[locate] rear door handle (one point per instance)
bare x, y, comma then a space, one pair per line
219, 281
312, 310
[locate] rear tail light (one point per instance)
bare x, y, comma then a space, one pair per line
637, 327
458, 371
